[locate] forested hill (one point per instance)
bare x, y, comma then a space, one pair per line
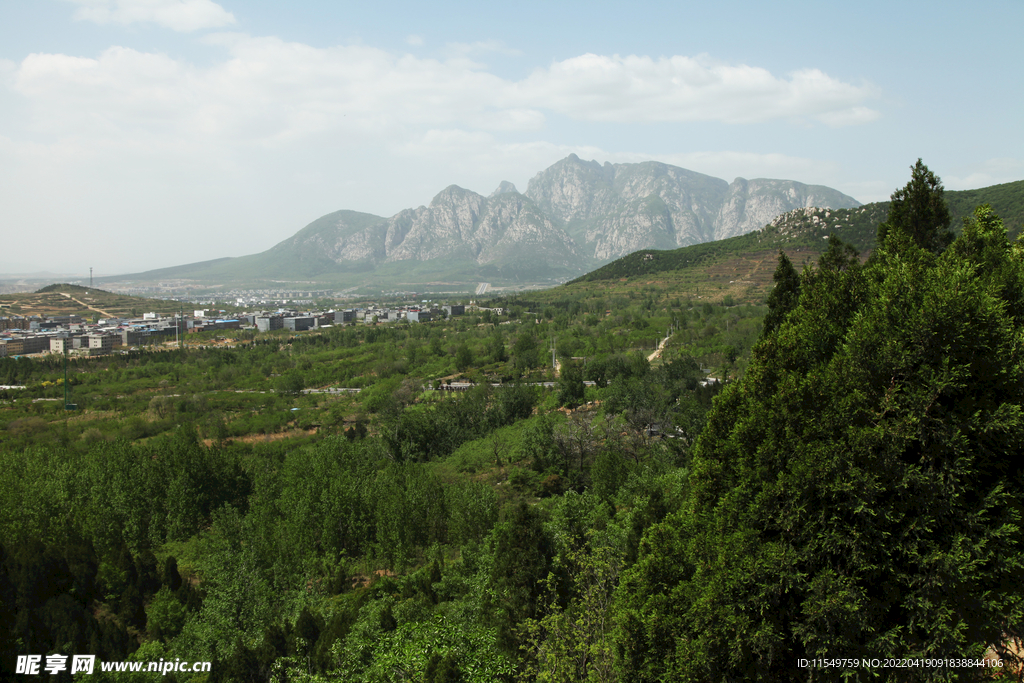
1007, 200
800, 230
805, 230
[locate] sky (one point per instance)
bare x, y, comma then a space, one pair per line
139, 134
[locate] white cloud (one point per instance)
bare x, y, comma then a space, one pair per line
178, 15
238, 154
268, 89
634, 89
414, 40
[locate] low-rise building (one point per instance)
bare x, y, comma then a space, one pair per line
268, 323
299, 323
24, 345
417, 316
348, 316
211, 325
136, 336
103, 343
14, 323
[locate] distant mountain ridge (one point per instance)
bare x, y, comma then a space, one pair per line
619, 208
574, 216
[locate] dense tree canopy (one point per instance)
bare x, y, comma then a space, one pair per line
855, 495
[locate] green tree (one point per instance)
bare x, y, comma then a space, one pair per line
852, 495
496, 347
511, 402
435, 345
784, 294
573, 643
570, 384
165, 615
290, 383
838, 256
919, 211
463, 358
526, 351
522, 559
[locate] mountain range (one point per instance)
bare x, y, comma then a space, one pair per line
574, 216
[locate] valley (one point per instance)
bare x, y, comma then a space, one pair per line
603, 474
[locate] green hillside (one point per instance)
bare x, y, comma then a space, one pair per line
801, 234
1007, 200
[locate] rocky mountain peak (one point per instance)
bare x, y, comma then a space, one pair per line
575, 215
573, 190
504, 187
455, 194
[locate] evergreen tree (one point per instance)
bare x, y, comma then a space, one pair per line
919, 211
171, 578
522, 560
784, 294
855, 494
839, 256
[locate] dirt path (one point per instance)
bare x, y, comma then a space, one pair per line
91, 308
756, 268
657, 352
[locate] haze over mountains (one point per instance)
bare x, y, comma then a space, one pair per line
574, 216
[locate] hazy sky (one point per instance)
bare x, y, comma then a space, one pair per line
137, 134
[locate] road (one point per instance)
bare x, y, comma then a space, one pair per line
482, 287
657, 353
82, 303
454, 386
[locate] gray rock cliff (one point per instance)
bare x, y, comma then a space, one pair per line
615, 209
574, 216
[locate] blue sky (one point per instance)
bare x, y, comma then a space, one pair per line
138, 134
